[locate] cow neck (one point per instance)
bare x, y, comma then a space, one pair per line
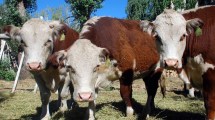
196, 45
70, 37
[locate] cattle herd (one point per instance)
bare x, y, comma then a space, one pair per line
109, 49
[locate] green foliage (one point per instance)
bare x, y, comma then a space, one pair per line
149, 9
82, 9
10, 15
5, 72
9, 12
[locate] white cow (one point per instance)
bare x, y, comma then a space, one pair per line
40, 40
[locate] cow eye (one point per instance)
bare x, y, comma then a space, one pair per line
70, 68
158, 39
48, 42
96, 68
23, 43
183, 37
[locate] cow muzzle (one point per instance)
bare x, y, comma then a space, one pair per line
85, 96
34, 66
171, 63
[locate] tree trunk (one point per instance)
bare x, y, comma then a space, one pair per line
21, 8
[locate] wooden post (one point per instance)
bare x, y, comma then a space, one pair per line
17, 74
2, 48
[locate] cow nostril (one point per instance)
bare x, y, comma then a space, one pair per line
34, 66
39, 66
177, 63
165, 64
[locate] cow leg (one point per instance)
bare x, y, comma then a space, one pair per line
126, 90
184, 77
209, 93
191, 92
151, 83
63, 95
92, 108
44, 96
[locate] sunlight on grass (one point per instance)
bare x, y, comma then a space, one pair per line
26, 105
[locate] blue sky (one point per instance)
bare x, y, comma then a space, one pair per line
112, 8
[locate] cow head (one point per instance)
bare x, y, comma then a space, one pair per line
85, 63
170, 29
37, 38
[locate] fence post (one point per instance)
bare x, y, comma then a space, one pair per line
17, 74
2, 47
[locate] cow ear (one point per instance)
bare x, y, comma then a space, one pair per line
11, 32
147, 26
58, 30
104, 55
58, 58
193, 24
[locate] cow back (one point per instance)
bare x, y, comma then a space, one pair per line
126, 42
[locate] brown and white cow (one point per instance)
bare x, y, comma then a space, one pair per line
110, 49
40, 39
197, 52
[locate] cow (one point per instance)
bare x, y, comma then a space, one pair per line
110, 49
40, 39
197, 51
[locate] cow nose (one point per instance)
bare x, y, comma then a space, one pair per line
171, 63
85, 96
34, 66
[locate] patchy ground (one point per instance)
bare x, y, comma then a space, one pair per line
25, 105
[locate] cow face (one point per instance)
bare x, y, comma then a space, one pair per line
83, 61
170, 29
37, 39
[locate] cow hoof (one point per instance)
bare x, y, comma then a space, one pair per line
63, 109
46, 118
91, 118
129, 111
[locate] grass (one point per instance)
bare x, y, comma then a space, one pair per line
25, 105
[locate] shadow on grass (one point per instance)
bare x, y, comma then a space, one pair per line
164, 114
198, 94
78, 113
52, 107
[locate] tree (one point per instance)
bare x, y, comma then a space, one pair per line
205, 2
149, 9
14, 11
82, 9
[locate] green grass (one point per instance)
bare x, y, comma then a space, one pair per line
26, 106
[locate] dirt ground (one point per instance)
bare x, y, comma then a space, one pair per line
25, 105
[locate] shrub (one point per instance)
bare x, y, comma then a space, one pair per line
5, 72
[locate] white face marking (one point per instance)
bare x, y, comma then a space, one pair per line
170, 28
37, 41
86, 69
83, 58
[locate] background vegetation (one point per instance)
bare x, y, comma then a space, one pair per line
77, 12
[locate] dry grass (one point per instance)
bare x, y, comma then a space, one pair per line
25, 105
